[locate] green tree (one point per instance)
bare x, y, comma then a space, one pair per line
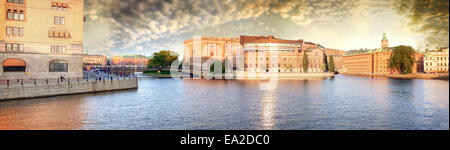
305, 62
331, 64
211, 68
403, 59
162, 58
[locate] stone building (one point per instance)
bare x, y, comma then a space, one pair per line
436, 61
375, 61
260, 53
41, 38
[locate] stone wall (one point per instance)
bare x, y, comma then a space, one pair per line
38, 66
57, 89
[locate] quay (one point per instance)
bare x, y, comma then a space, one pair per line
38, 88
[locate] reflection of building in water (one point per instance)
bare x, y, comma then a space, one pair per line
268, 110
436, 61
130, 60
41, 38
94, 60
375, 61
261, 53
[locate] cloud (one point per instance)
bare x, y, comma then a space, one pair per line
142, 23
430, 17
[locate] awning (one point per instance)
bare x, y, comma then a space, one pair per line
54, 4
13, 63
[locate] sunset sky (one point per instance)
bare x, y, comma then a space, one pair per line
116, 27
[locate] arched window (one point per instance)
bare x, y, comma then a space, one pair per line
16, 15
58, 66
14, 65
21, 15
10, 14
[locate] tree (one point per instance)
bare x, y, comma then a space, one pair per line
403, 59
331, 64
211, 68
305, 62
162, 59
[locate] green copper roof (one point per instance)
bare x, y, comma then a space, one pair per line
384, 37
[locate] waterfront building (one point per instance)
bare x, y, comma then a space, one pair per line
130, 61
205, 48
41, 38
97, 60
261, 53
436, 61
337, 58
375, 61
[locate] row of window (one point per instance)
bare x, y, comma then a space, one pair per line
17, 1
14, 47
59, 6
15, 15
438, 64
15, 31
17, 65
58, 49
59, 20
58, 34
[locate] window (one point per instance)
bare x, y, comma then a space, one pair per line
8, 30
15, 31
14, 65
10, 14
54, 5
61, 20
8, 47
16, 1
21, 31
21, 16
56, 20
16, 15
58, 66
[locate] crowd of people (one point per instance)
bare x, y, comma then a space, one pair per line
103, 73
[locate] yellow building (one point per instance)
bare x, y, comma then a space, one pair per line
41, 38
94, 60
436, 61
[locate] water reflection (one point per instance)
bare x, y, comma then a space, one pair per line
268, 106
344, 102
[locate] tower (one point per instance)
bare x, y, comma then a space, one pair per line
384, 41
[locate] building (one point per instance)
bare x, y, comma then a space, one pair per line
337, 58
384, 41
99, 60
41, 38
130, 61
436, 61
260, 53
375, 61
205, 48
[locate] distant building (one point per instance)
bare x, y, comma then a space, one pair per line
94, 60
384, 41
259, 52
130, 61
375, 61
436, 61
41, 38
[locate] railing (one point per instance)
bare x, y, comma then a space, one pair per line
58, 81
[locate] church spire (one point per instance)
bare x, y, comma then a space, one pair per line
384, 41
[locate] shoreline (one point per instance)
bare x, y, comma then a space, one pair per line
257, 76
438, 76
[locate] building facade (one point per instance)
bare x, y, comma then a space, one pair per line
41, 38
98, 60
375, 61
260, 53
436, 61
130, 61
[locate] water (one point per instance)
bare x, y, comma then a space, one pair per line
343, 102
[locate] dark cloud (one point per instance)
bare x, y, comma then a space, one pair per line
427, 16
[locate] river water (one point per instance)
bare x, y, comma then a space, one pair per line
343, 102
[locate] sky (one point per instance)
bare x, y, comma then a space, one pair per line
123, 27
